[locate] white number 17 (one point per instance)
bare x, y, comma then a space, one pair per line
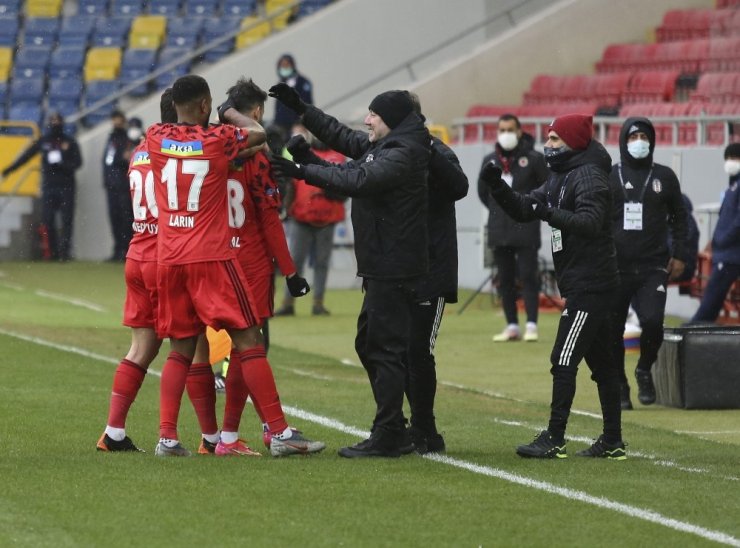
197, 168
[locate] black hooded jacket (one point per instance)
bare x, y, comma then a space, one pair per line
657, 188
580, 203
59, 173
387, 180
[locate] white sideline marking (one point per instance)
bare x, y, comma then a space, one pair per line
714, 433
572, 494
14, 287
70, 300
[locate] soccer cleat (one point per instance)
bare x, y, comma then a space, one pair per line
109, 445
624, 394
543, 447
601, 449
177, 451
645, 387
296, 444
237, 449
510, 333
531, 334
219, 382
206, 447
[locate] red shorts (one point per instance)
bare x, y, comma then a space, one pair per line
192, 296
140, 307
263, 291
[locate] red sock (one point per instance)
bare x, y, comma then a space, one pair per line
257, 375
202, 393
126, 383
174, 375
236, 395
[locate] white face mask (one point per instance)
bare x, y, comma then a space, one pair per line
508, 140
638, 149
732, 167
134, 133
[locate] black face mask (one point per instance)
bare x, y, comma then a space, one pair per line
557, 157
56, 130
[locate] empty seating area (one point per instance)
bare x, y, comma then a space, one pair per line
68, 57
692, 69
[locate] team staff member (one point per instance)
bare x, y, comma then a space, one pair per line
199, 280
577, 204
387, 181
60, 158
116, 157
514, 244
647, 204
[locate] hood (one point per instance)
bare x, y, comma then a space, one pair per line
646, 126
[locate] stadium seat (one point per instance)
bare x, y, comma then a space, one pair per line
136, 64
40, 31
10, 7
254, 29
28, 73
184, 32
610, 87
487, 131
282, 15
167, 56
147, 31
97, 91
27, 89
112, 32
647, 85
126, 8
723, 22
724, 54
33, 57
26, 111
684, 24
201, 8
67, 61
65, 89
215, 28
169, 8
102, 64
6, 63
542, 88
76, 30
308, 7
239, 8
43, 8
92, 7
65, 108
9, 28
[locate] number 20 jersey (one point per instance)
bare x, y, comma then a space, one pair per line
190, 165
143, 246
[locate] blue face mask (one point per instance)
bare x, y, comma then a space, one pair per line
638, 149
285, 72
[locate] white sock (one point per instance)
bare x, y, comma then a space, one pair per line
513, 326
168, 442
229, 437
211, 438
285, 434
531, 326
116, 434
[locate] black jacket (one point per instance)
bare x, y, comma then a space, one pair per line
387, 180
115, 159
657, 188
528, 170
53, 147
580, 207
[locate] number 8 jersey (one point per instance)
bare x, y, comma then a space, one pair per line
190, 166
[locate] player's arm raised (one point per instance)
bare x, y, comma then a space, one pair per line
256, 135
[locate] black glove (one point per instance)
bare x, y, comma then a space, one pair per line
288, 96
540, 209
298, 148
282, 167
297, 286
491, 175
223, 107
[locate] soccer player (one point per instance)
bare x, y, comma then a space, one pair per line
199, 279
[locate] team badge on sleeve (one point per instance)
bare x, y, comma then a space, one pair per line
523, 161
141, 158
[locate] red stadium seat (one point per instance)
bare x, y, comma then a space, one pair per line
487, 133
610, 87
649, 86
542, 88
724, 54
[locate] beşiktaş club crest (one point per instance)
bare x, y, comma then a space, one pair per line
369, 158
523, 161
657, 186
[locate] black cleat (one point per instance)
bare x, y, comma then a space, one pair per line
543, 447
645, 387
109, 445
602, 450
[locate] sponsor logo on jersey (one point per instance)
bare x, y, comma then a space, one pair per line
182, 149
141, 158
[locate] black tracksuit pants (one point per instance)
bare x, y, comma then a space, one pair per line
421, 381
521, 262
382, 341
585, 331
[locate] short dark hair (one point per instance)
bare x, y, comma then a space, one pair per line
167, 112
246, 95
117, 114
508, 117
188, 88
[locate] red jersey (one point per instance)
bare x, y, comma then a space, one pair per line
254, 201
143, 246
190, 165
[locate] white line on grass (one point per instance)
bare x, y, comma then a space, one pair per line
70, 300
572, 494
10, 285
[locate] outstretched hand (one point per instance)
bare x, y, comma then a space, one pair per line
288, 96
283, 167
491, 175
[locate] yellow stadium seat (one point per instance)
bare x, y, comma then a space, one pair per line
6, 63
44, 8
254, 34
281, 21
147, 31
102, 64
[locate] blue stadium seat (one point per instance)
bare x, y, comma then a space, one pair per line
65, 108
40, 31
202, 8
33, 57
137, 63
92, 7
216, 27
65, 90
239, 8
27, 73
113, 32
307, 7
67, 61
3, 93
184, 32
27, 89
9, 27
167, 56
28, 111
10, 7
76, 30
127, 8
169, 8
94, 92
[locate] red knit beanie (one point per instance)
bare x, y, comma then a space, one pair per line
576, 130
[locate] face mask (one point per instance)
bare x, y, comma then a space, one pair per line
732, 167
508, 140
134, 133
557, 157
285, 72
638, 149
56, 129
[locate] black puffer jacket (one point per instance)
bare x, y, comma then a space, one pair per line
387, 180
657, 187
580, 207
528, 170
